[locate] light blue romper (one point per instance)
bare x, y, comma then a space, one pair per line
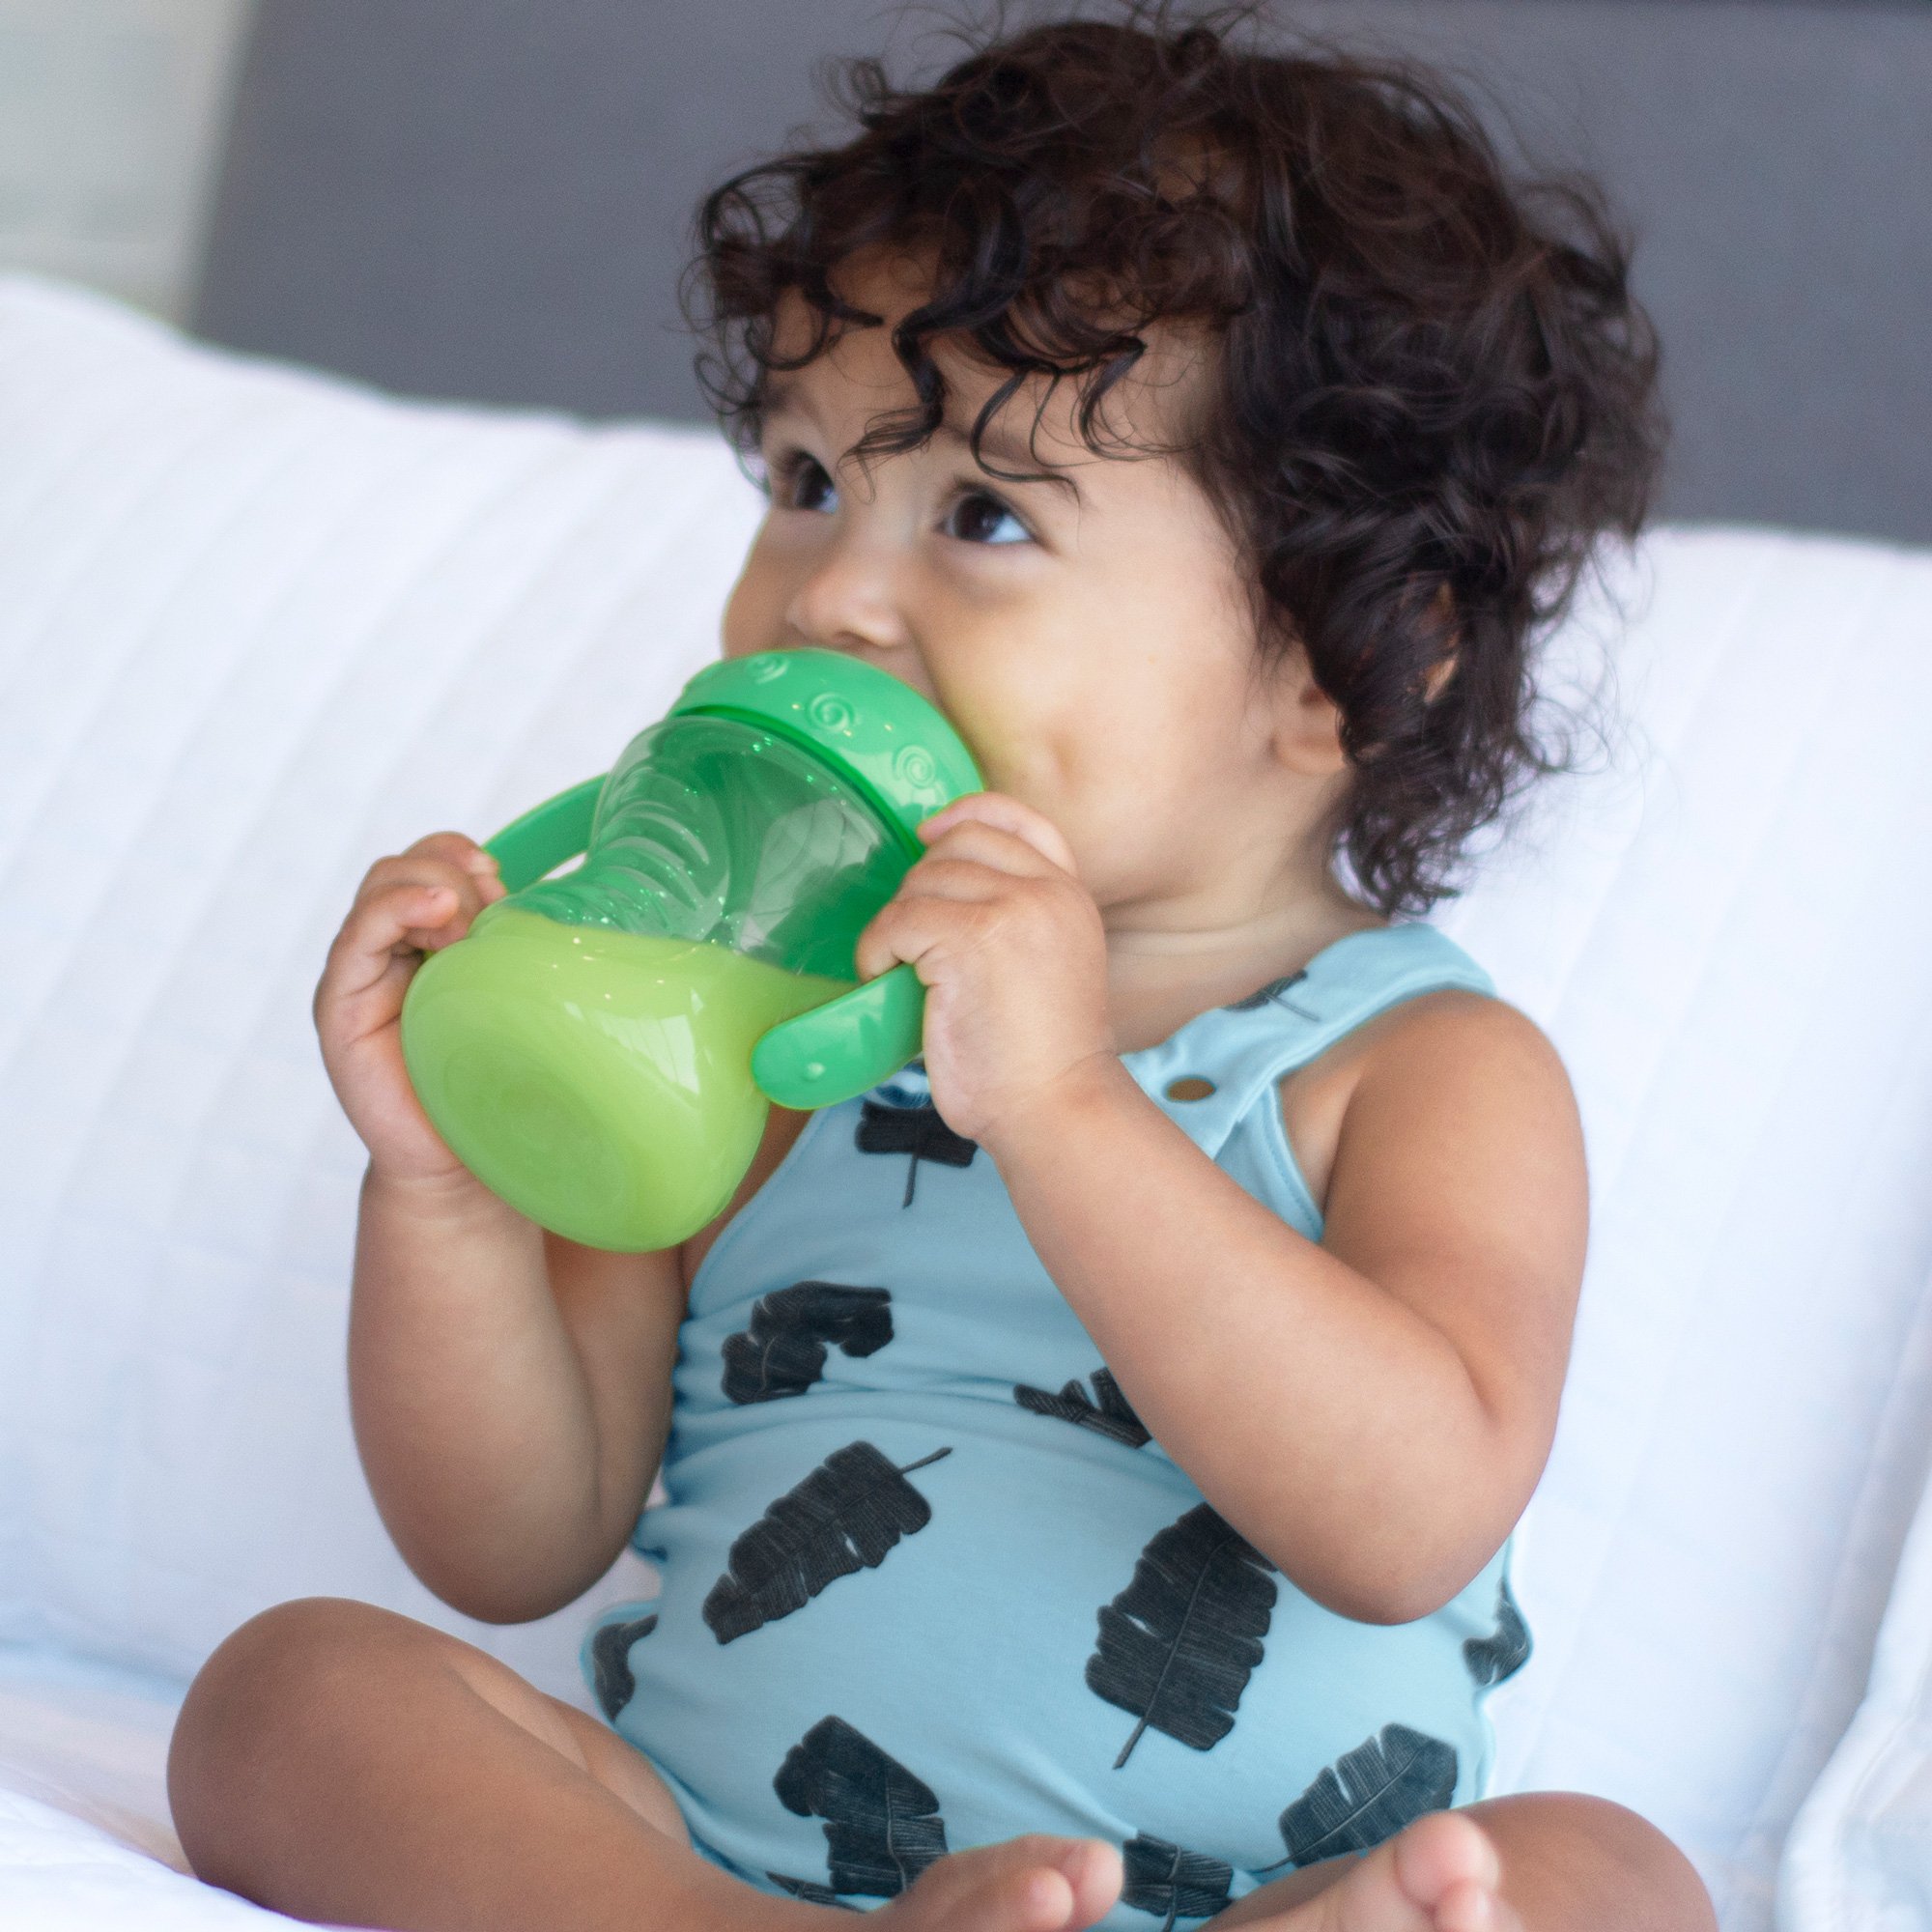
926, 1582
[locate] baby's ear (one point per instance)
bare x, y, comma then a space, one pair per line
1442, 609
1436, 676
1307, 720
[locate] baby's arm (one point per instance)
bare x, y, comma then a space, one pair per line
1374, 1410
510, 1389
1370, 1411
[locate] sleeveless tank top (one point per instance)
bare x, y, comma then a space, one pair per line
926, 1582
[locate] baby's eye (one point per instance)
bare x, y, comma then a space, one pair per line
798, 482
979, 517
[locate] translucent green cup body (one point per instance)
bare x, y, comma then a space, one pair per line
600, 1081
601, 1050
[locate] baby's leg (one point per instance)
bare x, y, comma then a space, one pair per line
340, 1763
1544, 1861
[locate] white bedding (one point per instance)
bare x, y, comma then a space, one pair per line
61, 1874
257, 627
89, 1742
85, 1840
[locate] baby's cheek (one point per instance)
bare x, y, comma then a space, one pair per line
753, 617
1015, 762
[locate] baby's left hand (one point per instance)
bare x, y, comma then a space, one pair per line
1010, 947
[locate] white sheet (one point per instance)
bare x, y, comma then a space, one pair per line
85, 1840
58, 1874
91, 1742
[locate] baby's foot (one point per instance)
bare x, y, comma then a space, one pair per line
1440, 1875
1025, 1885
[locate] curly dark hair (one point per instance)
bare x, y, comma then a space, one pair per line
1432, 394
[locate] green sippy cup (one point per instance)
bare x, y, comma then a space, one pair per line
601, 1048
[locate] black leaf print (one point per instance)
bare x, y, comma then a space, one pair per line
611, 1662
1277, 991
1163, 1878
850, 1511
1369, 1794
1111, 1416
1506, 1650
782, 1351
1177, 1644
917, 1131
882, 1824
811, 1890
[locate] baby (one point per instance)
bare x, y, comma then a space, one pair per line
1090, 1458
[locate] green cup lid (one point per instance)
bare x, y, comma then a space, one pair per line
880, 733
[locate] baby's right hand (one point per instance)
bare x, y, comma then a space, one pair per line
405, 907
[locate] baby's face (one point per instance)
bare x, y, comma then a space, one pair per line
1089, 636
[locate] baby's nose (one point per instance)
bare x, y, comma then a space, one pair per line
851, 600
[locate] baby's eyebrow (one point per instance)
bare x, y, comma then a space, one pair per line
786, 397
1006, 448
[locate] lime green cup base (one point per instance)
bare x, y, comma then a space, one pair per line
599, 1081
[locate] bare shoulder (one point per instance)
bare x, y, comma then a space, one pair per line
1454, 1053
1477, 1055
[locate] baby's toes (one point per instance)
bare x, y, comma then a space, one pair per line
1446, 1866
1469, 1907
1441, 1849
1093, 1872
1027, 1885
1438, 1875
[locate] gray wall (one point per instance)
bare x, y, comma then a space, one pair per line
489, 199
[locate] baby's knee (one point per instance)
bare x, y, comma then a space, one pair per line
283, 1666
1655, 1868
261, 1696
1566, 1842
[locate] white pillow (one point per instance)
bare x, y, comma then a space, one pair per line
258, 627
1727, 934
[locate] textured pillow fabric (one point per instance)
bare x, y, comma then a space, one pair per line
1727, 934
257, 628
1859, 1855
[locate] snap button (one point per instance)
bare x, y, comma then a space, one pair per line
1190, 1086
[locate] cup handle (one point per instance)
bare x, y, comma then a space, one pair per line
844, 1047
536, 844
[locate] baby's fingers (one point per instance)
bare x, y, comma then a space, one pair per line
387, 929
455, 848
469, 876
424, 915
449, 859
